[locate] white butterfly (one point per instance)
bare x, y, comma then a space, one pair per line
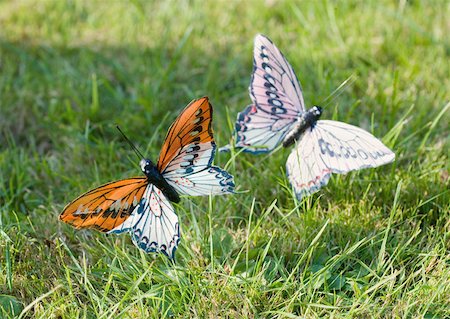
278, 116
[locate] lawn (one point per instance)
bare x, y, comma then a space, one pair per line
372, 244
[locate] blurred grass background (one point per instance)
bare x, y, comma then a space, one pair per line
373, 243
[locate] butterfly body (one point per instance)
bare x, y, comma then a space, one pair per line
154, 177
305, 120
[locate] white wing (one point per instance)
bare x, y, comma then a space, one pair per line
191, 172
332, 146
153, 224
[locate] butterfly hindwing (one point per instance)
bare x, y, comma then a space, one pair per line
305, 171
130, 205
332, 146
153, 224
107, 206
258, 131
344, 147
188, 151
210, 180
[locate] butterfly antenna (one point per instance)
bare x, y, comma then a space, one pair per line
333, 96
139, 154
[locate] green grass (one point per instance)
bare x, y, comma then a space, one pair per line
374, 243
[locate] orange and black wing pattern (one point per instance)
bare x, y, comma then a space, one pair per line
106, 207
193, 126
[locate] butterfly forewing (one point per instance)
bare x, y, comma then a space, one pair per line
274, 87
191, 128
188, 151
277, 100
107, 206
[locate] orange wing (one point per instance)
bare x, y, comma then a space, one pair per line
192, 126
105, 207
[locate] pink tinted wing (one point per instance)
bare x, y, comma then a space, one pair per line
332, 147
306, 172
277, 101
274, 87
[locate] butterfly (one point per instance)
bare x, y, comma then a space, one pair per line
141, 205
278, 116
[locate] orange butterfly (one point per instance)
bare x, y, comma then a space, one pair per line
141, 205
